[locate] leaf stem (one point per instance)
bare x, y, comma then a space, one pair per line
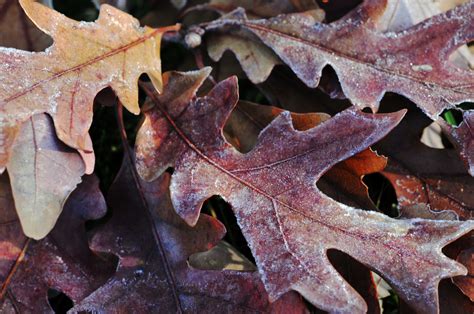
14, 268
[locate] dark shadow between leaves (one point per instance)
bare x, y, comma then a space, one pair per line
285, 90
59, 302
336, 9
106, 138
80, 10
382, 194
358, 276
221, 210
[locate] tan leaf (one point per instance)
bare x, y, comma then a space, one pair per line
63, 80
43, 172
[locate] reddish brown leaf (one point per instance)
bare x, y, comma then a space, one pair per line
466, 283
452, 300
413, 62
62, 261
342, 182
288, 223
142, 283
256, 59
425, 175
369, 63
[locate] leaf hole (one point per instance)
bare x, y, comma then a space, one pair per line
221, 210
59, 302
382, 194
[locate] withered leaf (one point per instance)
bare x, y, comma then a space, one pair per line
424, 175
256, 59
17, 31
43, 172
62, 261
142, 282
288, 223
342, 182
466, 284
401, 14
64, 79
413, 62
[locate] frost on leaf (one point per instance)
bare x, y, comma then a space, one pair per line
153, 245
413, 62
64, 79
62, 261
419, 174
342, 182
256, 59
289, 224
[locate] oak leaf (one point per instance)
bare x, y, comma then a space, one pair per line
62, 261
64, 79
273, 194
401, 14
419, 174
256, 59
342, 182
413, 62
147, 281
370, 63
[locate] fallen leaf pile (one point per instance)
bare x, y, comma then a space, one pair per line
332, 96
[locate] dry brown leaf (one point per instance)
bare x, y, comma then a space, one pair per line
62, 261
153, 245
289, 224
423, 175
43, 172
342, 182
63, 80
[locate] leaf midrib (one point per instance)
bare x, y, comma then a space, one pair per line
458, 89
92, 61
182, 135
